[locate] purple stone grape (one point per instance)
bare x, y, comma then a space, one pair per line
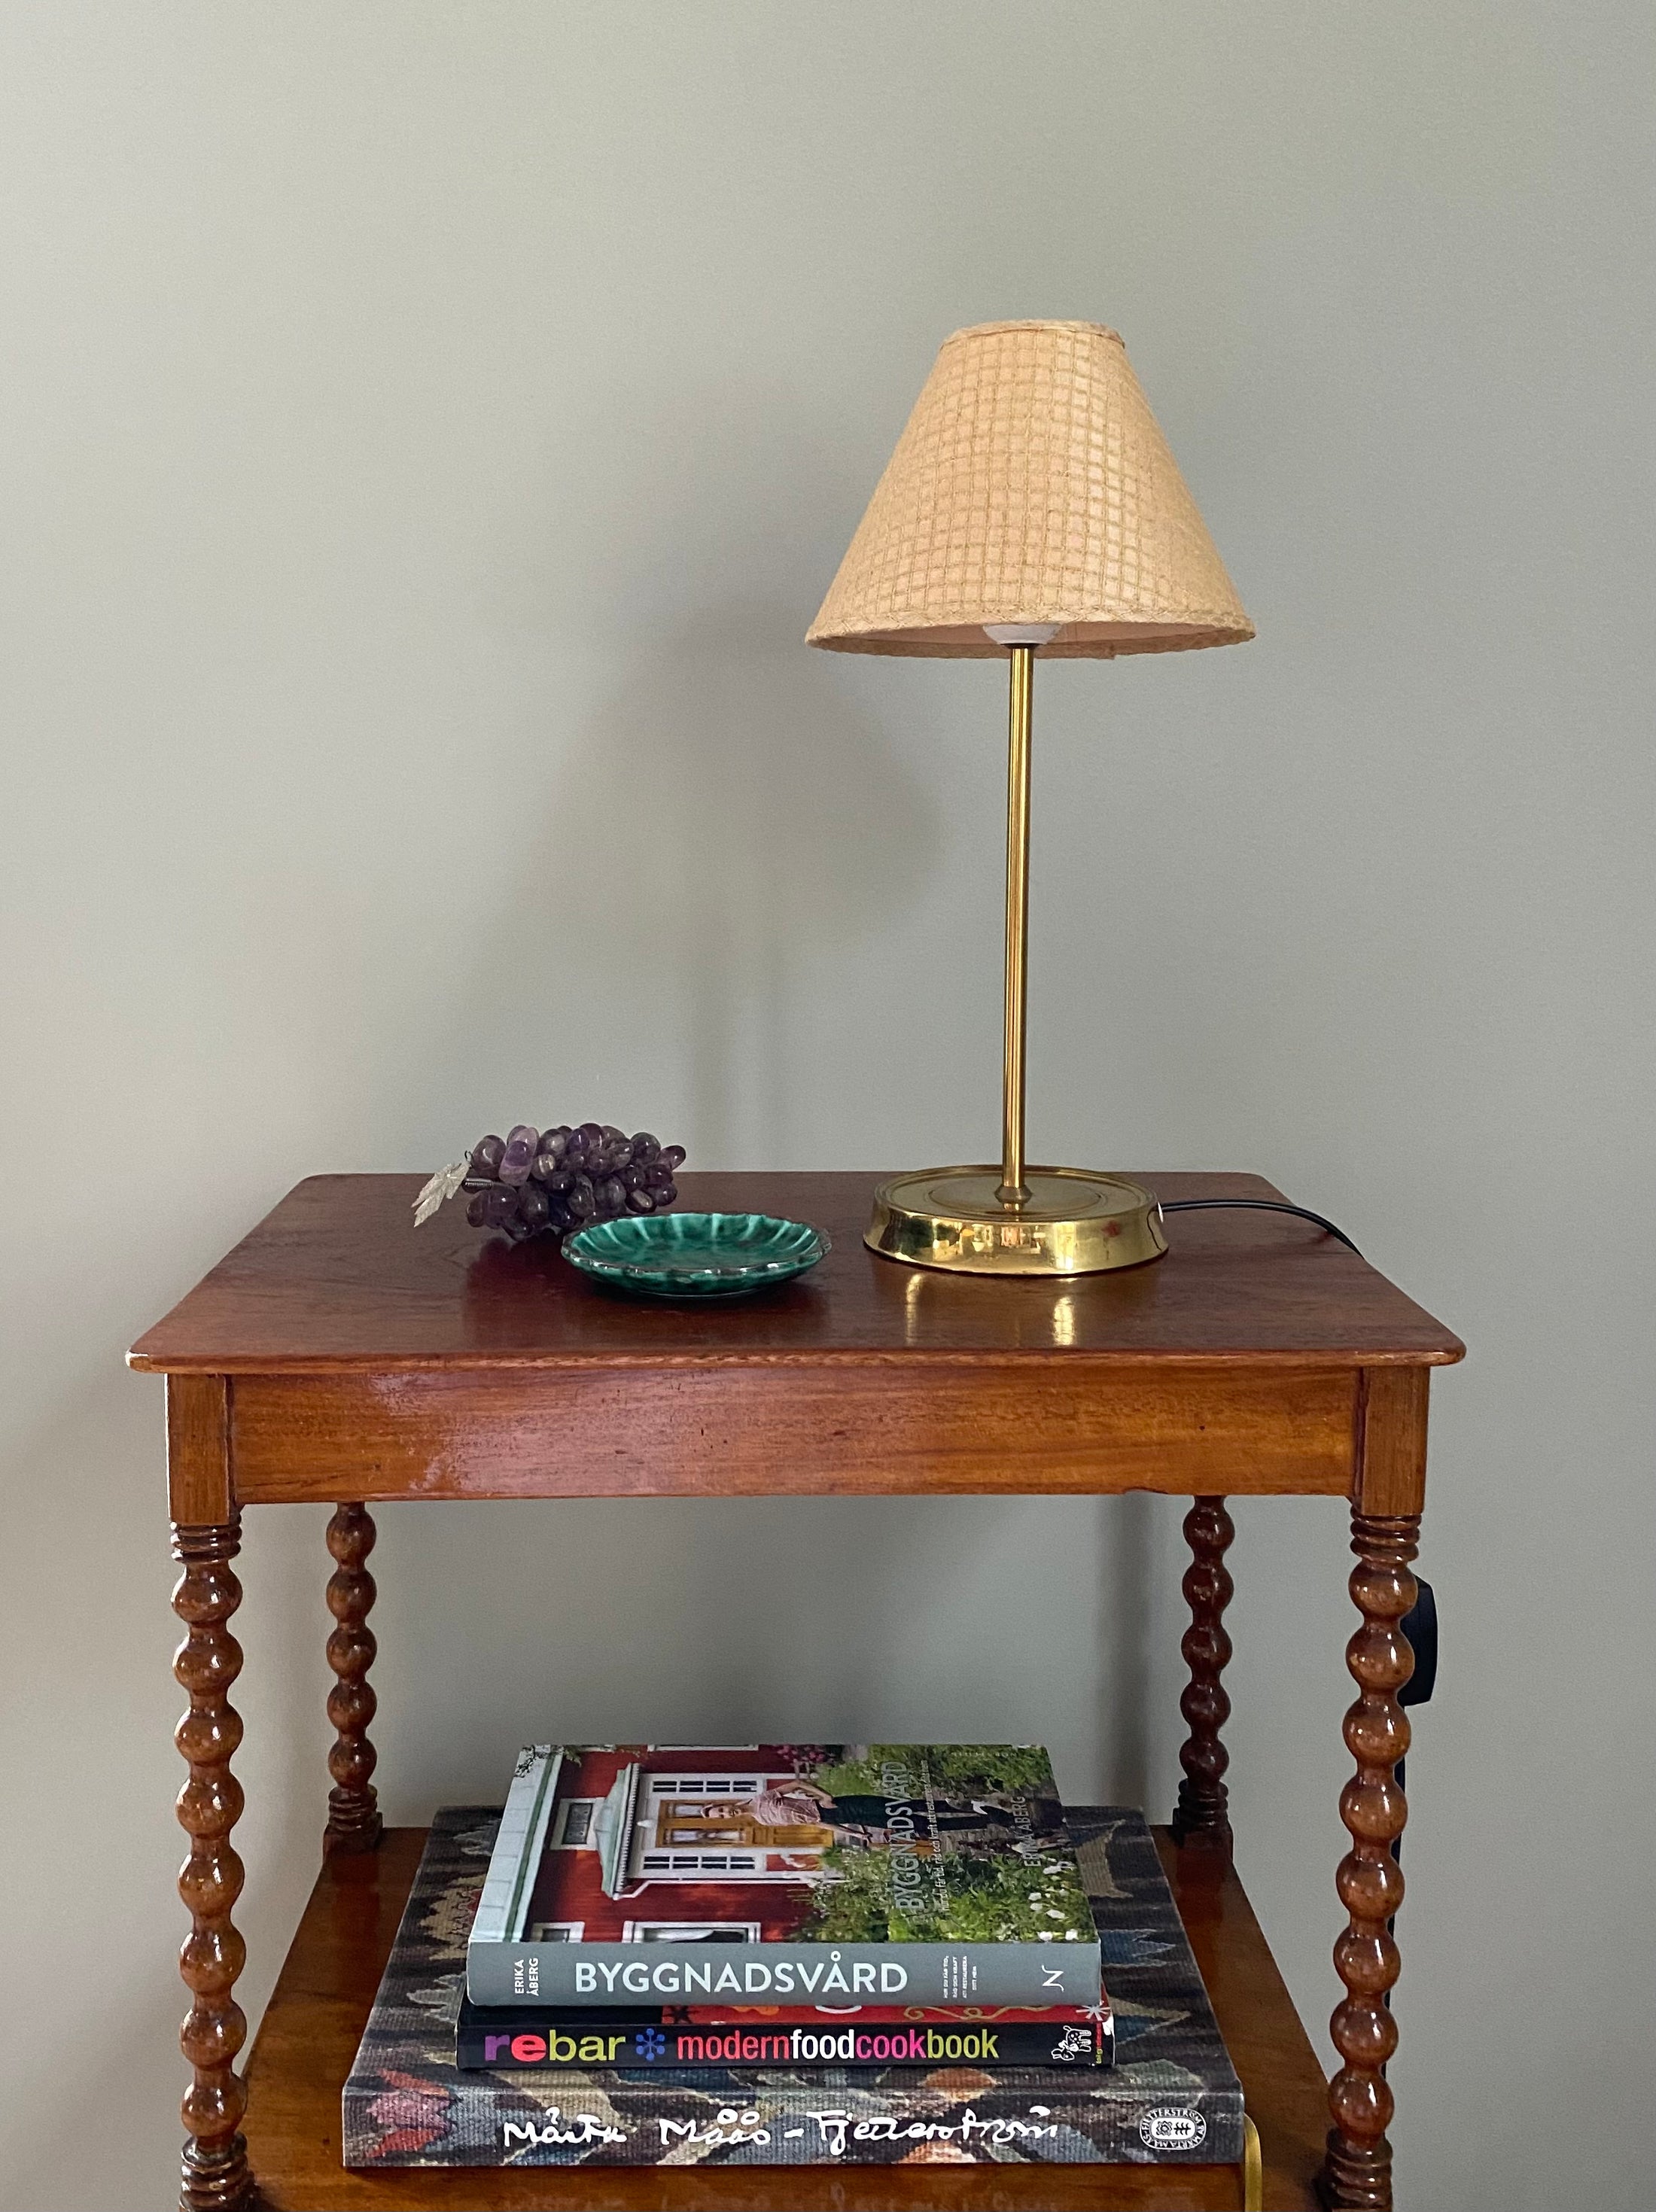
519, 1154
556, 1178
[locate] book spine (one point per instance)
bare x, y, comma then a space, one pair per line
542, 2044
596, 1974
1026, 2114
518, 1842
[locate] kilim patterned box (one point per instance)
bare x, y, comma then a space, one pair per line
1172, 2095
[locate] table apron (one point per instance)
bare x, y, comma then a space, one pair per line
754, 1431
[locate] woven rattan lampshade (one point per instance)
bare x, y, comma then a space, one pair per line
1032, 485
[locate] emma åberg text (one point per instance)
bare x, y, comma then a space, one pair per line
681, 1978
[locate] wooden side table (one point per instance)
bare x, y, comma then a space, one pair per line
338, 1354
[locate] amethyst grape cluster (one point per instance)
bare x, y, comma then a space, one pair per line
562, 1178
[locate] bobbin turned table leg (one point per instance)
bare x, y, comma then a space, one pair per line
215, 2177
354, 1822
1357, 2171
1203, 1815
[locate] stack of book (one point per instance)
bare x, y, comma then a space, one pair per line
787, 1954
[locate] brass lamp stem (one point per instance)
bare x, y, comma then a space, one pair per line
1013, 1191
1046, 1221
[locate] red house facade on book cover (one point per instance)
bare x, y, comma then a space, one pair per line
821, 1872
700, 1866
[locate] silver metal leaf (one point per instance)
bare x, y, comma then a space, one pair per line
442, 1186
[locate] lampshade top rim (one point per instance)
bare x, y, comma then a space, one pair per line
1035, 323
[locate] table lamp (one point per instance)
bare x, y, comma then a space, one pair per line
1032, 505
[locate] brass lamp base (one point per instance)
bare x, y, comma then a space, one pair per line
1072, 1223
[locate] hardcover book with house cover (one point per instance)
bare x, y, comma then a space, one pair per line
1171, 2098
810, 1874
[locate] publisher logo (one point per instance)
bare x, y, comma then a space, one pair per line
1172, 2127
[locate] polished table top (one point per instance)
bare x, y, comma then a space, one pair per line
337, 1278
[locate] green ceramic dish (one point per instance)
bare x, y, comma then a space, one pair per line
694, 1255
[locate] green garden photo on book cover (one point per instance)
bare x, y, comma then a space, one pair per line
985, 1877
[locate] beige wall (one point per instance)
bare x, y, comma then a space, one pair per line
428, 432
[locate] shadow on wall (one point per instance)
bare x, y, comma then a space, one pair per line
726, 818
762, 1620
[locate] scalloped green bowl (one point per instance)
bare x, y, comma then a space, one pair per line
694, 1255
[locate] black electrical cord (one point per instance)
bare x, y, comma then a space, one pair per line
1256, 1206
1420, 1625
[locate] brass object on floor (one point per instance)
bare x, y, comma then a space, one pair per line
1253, 2169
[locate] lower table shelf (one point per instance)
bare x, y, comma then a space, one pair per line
316, 2016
